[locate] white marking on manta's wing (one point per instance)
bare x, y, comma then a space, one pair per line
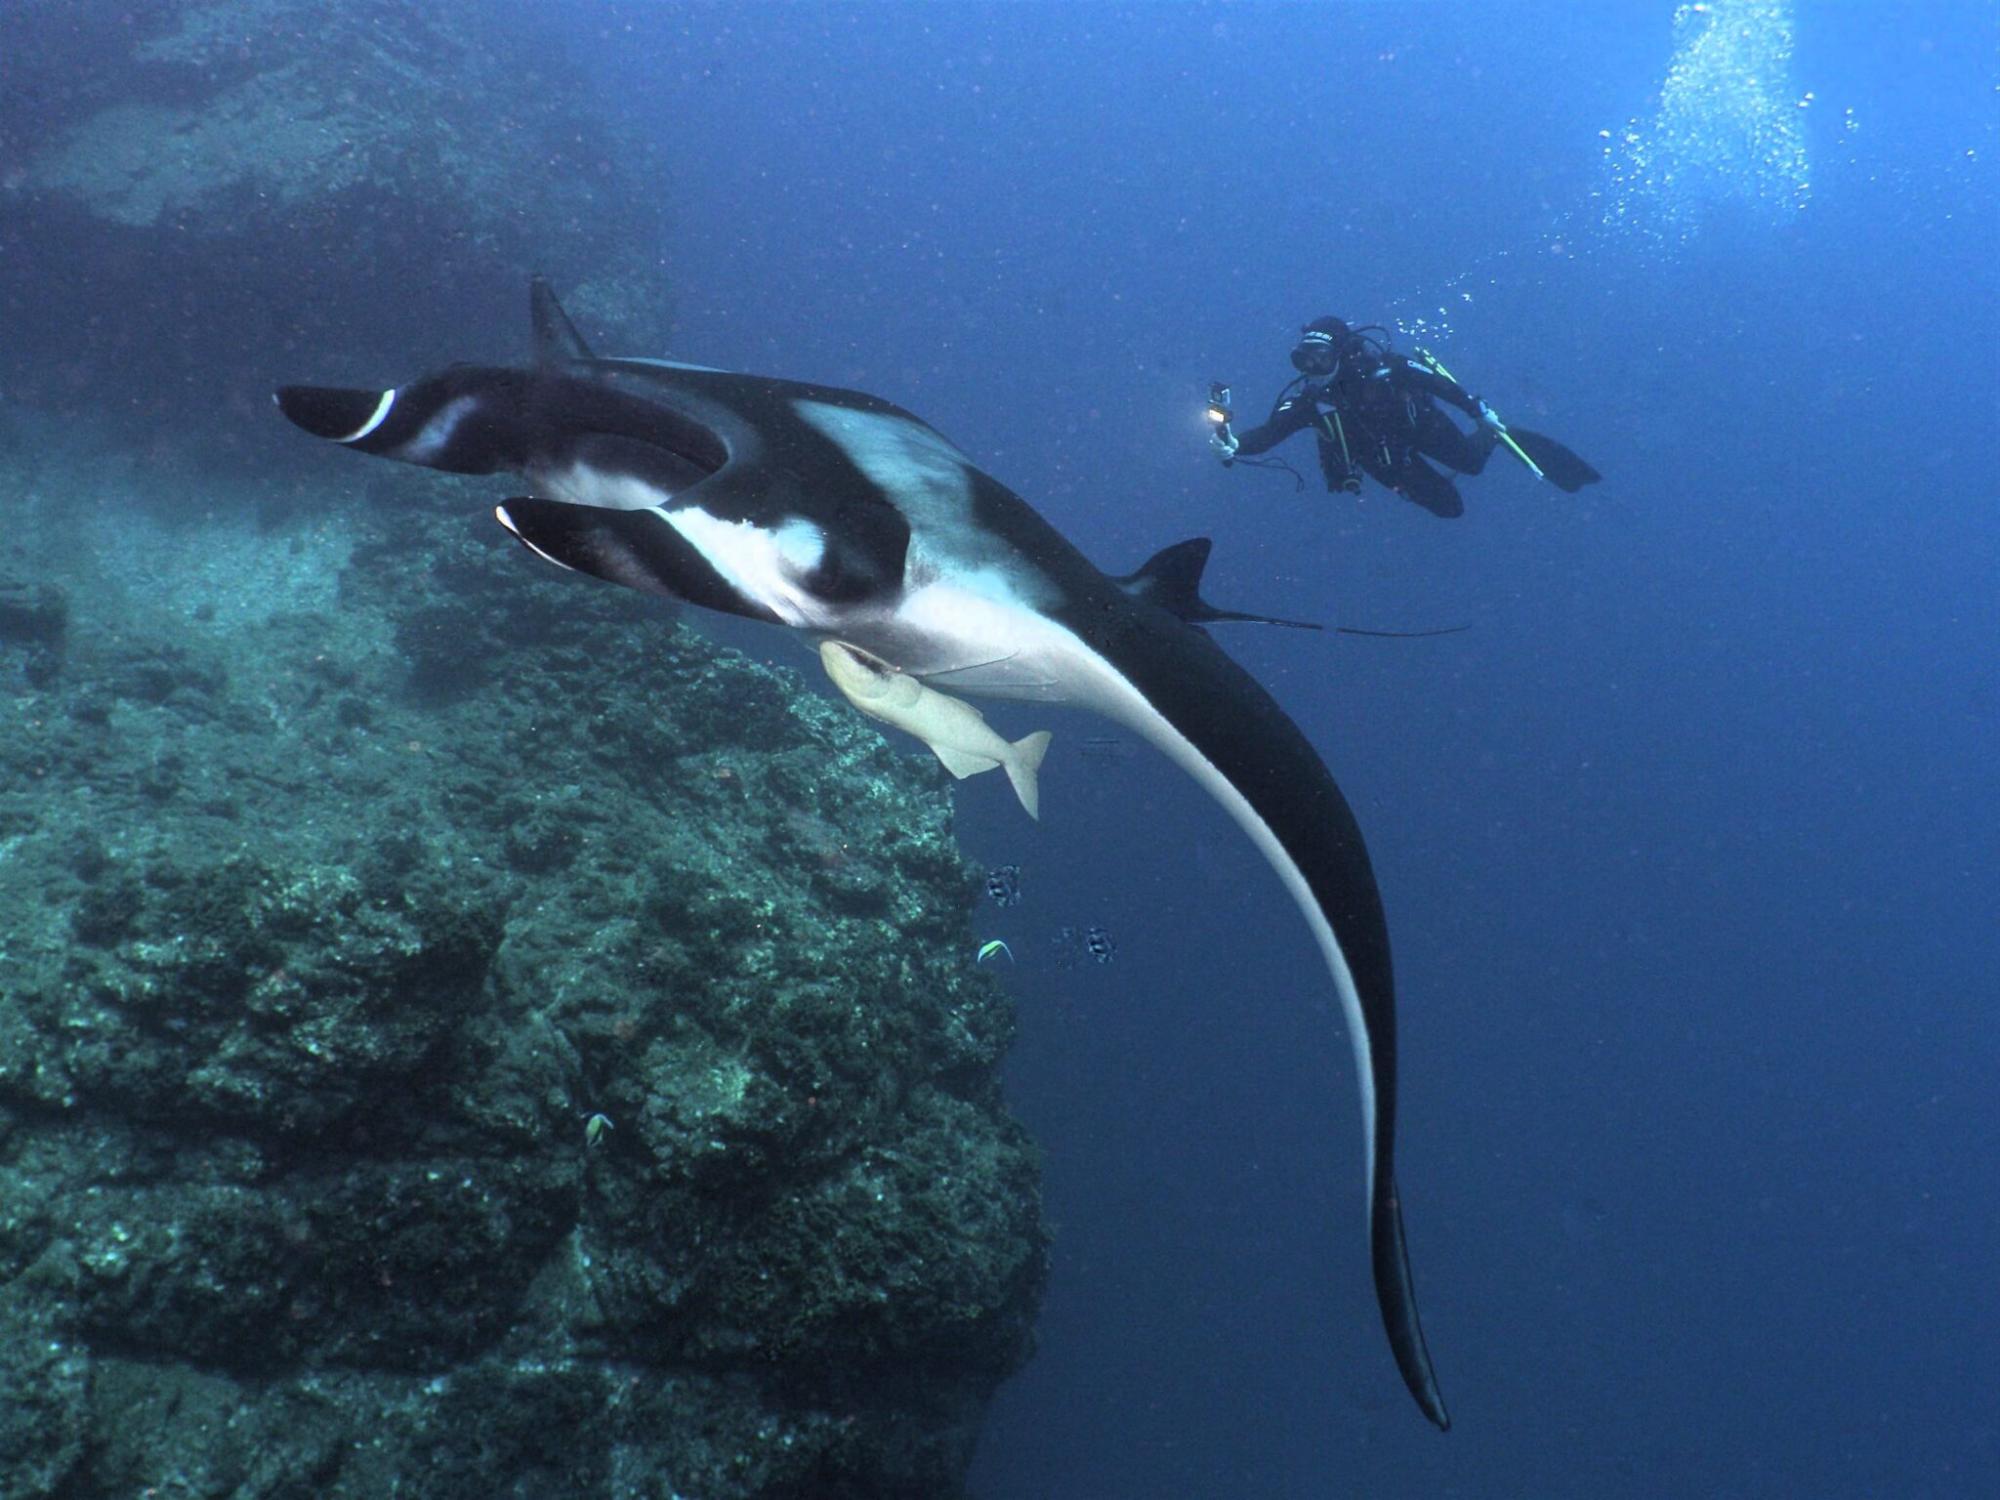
767, 567
913, 464
760, 565
500, 513
374, 421
435, 434
930, 483
975, 635
800, 545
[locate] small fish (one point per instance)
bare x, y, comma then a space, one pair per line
957, 733
1074, 945
1003, 884
992, 946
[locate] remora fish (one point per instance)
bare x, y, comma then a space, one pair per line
844, 517
957, 733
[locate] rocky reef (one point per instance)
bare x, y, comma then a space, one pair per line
463, 1033
200, 191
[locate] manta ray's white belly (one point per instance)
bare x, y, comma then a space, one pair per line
972, 637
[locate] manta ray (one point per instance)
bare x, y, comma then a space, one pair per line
843, 517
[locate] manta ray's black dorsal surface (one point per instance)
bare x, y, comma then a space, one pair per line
843, 517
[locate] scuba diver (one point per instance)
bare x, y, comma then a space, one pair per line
1374, 412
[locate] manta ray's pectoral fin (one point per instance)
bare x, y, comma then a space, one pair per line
1171, 578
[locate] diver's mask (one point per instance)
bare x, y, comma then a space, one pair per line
1314, 354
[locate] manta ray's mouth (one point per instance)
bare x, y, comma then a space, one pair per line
613, 471
637, 422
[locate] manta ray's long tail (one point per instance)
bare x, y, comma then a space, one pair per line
1214, 720
1396, 1294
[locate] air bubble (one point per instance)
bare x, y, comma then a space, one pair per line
1726, 143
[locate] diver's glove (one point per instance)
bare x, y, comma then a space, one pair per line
1488, 417
1223, 442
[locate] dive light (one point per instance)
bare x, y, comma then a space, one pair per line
1218, 404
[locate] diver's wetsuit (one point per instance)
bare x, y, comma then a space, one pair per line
1375, 415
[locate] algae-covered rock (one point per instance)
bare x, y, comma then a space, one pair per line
226, 115
198, 190
572, 1083
34, 623
44, 1402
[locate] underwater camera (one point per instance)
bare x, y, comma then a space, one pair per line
1218, 403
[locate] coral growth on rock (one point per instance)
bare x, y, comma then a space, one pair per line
478, 1038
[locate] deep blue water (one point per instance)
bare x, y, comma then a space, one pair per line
1688, 844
